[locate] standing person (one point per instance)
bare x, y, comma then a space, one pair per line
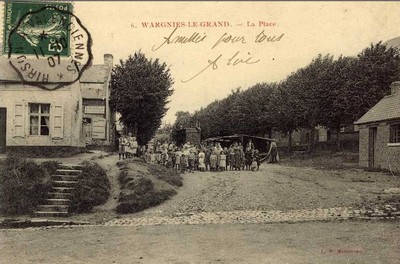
178, 154
207, 159
134, 146
249, 146
242, 157
274, 152
213, 162
231, 158
248, 158
217, 151
258, 158
121, 146
183, 163
222, 161
191, 158
202, 165
238, 159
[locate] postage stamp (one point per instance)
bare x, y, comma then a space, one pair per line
47, 45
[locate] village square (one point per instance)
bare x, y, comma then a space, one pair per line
208, 142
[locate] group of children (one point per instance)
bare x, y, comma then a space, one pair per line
127, 146
205, 158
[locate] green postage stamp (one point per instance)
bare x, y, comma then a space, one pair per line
38, 30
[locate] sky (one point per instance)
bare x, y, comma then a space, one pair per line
233, 44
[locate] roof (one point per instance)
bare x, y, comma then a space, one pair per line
387, 108
235, 136
95, 74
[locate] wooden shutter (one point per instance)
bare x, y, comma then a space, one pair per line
19, 119
57, 112
99, 128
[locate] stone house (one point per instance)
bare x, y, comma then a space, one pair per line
34, 117
379, 129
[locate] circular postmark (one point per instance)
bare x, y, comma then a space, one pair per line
49, 48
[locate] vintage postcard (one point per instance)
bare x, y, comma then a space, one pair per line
199, 132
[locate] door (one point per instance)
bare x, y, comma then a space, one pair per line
3, 116
372, 147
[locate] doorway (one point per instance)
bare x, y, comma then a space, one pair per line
372, 147
3, 129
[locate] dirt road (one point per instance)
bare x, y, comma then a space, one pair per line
227, 217
276, 187
335, 242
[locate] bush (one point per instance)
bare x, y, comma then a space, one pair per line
92, 189
23, 185
142, 197
167, 175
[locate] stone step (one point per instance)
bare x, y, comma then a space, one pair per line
60, 177
70, 166
64, 183
53, 208
58, 201
69, 172
63, 189
50, 213
59, 195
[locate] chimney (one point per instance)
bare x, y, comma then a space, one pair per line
108, 60
394, 87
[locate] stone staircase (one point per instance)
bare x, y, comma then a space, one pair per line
59, 198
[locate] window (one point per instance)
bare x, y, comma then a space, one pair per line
39, 119
395, 133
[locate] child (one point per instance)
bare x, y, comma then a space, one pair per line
222, 161
202, 165
122, 143
213, 162
177, 160
183, 163
191, 158
254, 164
231, 159
207, 160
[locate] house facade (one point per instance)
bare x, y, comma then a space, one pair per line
379, 129
31, 116
99, 122
34, 117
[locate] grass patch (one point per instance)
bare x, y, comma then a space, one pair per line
45, 152
23, 185
145, 187
323, 160
92, 189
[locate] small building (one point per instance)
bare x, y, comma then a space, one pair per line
98, 120
379, 130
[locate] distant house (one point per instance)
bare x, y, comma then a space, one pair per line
380, 133
98, 119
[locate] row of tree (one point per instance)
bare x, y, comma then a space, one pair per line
328, 92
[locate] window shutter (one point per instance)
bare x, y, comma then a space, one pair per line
57, 113
99, 128
19, 119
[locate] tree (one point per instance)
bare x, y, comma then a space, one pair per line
139, 92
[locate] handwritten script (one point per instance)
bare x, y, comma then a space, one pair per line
238, 57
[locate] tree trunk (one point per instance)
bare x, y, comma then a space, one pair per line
338, 147
290, 141
312, 139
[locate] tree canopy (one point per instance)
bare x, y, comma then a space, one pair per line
329, 92
140, 88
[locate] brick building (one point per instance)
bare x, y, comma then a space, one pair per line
379, 129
